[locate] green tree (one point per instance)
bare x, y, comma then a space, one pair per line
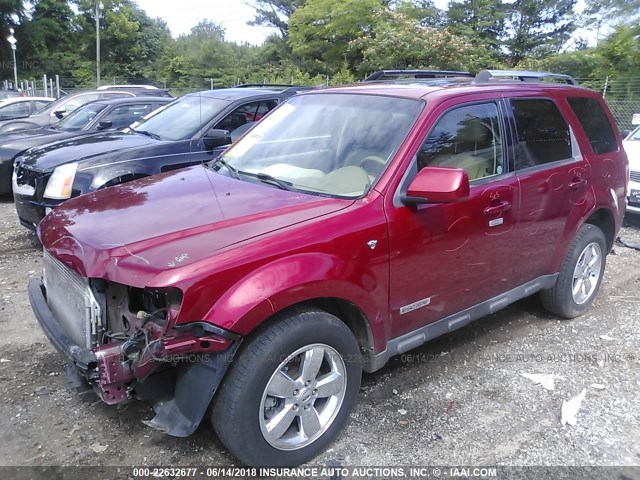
538, 28
612, 12
275, 13
401, 43
326, 32
422, 12
481, 22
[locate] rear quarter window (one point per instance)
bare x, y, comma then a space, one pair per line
595, 123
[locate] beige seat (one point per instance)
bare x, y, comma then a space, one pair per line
476, 167
476, 139
348, 181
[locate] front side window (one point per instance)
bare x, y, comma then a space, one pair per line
635, 135
468, 137
75, 102
182, 118
543, 133
246, 114
18, 109
596, 125
80, 117
326, 144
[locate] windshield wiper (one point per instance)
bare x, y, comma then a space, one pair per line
232, 171
148, 134
266, 178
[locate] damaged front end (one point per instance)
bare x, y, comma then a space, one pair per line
123, 343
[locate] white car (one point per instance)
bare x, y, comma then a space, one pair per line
17, 107
632, 147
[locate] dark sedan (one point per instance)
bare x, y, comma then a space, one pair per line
102, 115
186, 132
53, 112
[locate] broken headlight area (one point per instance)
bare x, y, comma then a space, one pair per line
136, 338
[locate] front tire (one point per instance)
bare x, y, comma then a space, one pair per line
290, 390
580, 275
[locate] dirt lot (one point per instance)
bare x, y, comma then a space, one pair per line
459, 400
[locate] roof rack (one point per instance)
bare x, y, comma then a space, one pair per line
393, 74
263, 85
485, 76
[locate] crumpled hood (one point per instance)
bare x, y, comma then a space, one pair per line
116, 145
132, 232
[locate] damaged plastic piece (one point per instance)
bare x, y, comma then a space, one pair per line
570, 409
546, 380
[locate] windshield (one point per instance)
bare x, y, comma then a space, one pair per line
182, 118
635, 135
327, 144
78, 119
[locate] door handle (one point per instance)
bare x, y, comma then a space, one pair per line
577, 183
497, 209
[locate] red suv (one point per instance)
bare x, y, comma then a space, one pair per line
348, 226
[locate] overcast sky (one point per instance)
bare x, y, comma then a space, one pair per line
181, 15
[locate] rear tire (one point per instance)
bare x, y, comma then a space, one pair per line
580, 275
289, 391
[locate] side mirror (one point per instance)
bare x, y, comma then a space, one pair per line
60, 113
215, 138
625, 133
438, 185
104, 124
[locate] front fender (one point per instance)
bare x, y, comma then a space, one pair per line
295, 279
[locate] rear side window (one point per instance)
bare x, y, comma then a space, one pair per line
596, 125
543, 133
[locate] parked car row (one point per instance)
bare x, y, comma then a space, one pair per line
350, 224
96, 116
185, 132
54, 111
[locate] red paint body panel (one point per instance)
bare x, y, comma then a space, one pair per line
240, 252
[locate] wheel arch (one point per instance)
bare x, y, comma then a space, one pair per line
347, 312
603, 219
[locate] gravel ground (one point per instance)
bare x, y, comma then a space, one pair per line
459, 400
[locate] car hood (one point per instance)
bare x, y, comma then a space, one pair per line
632, 148
85, 146
41, 120
21, 141
132, 233
12, 136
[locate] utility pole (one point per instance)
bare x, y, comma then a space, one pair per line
99, 8
12, 40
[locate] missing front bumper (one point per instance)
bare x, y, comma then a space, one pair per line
181, 395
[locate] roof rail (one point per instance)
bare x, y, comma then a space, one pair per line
297, 89
485, 76
263, 85
392, 74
